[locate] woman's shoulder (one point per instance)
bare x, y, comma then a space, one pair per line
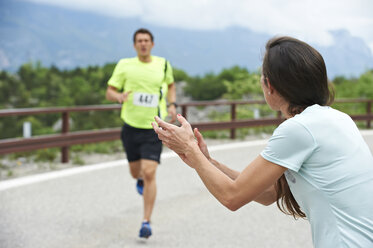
316, 114
292, 127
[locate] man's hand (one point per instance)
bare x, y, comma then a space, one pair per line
122, 97
172, 113
171, 99
113, 95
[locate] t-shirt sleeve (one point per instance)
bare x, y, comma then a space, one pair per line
169, 74
118, 77
290, 145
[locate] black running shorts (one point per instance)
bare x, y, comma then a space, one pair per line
141, 143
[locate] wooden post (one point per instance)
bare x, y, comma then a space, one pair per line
65, 129
369, 111
233, 118
184, 111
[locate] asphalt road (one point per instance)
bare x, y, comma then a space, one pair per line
98, 206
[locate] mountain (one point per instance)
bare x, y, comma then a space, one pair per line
70, 38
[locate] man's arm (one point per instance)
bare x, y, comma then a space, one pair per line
171, 99
113, 95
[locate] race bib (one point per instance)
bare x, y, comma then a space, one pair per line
145, 99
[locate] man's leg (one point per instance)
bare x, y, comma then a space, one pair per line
135, 169
128, 137
148, 171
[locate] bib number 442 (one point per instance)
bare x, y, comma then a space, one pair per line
145, 99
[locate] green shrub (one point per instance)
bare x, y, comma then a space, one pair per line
44, 155
107, 147
78, 160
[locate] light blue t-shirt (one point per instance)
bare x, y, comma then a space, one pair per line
330, 174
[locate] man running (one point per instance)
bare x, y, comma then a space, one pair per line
141, 84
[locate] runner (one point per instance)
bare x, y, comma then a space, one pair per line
141, 84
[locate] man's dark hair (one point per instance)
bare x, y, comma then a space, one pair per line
142, 31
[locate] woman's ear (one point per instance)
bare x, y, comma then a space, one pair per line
269, 87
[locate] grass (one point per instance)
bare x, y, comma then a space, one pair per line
108, 147
77, 160
46, 155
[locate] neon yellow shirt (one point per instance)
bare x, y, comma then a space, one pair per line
144, 80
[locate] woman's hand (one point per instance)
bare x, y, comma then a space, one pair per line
179, 139
201, 143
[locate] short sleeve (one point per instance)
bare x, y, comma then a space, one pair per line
290, 145
118, 77
169, 74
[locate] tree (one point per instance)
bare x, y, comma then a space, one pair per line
180, 75
209, 87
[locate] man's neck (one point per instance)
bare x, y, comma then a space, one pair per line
145, 59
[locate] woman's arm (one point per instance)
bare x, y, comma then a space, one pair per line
253, 184
233, 174
258, 177
268, 197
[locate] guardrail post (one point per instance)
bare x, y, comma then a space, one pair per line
65, 129
233, 118
184, 111
369, 111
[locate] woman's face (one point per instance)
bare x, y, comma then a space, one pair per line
267, 92
274, 100
264, 87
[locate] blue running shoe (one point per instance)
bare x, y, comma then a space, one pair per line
146, 230
140, 186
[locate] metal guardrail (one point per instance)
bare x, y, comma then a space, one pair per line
66, 138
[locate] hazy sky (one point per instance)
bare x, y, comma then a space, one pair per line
309, 20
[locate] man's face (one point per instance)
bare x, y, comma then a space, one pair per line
143, 44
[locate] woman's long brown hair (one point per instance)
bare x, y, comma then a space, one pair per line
297, 72
285, 199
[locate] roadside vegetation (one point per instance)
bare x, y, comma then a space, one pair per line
36, 86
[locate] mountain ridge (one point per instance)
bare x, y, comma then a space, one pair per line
70, 38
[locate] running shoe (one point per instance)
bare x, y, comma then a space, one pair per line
146, 230
140, 186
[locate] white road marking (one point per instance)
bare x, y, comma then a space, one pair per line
17, 182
